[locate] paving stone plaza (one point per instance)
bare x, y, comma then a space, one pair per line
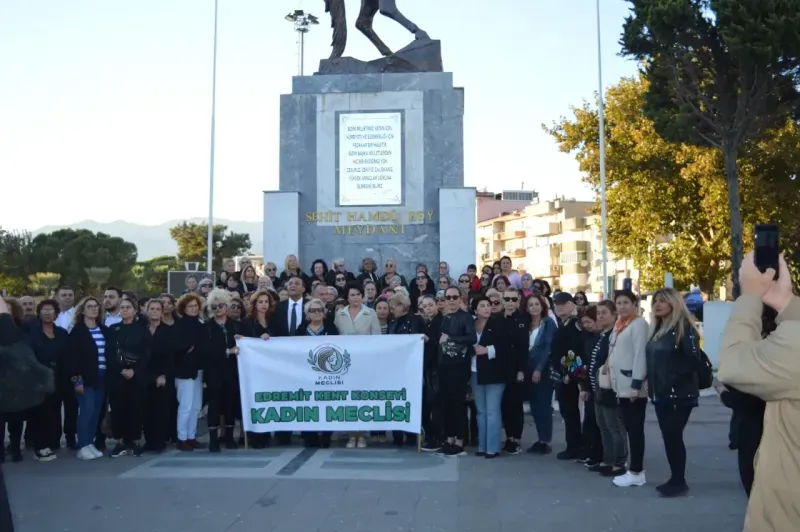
379, 489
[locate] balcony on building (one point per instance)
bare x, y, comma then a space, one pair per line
576, 245
510, 235
541, 228
573, 224
516, 253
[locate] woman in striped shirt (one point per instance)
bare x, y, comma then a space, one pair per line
89, 347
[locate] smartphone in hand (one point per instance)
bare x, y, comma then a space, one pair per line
767, 248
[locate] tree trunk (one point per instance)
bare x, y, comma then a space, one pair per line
730, 154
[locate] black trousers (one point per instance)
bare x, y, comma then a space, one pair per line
127, 406
157, 414
633, 413
312, 439
69, 426
568, 396
672, 420
511, 409
471, 422
593, 443
14, 422
453, 381
431, 416
44, 423
223, 397
172, 405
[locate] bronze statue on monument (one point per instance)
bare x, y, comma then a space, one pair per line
422, 55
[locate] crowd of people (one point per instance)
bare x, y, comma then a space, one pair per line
494, 340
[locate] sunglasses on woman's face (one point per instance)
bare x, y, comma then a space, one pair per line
314, 310
510, 299
340, 279
452, 298
463, 281
236, 305
219, 305
495, 302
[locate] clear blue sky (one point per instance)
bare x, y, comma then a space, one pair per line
105, 105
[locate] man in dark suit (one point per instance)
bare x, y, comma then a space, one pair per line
287, 320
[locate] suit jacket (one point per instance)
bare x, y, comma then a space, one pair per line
366, 321
280, 321
768, 368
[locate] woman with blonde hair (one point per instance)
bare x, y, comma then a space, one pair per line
291, 268
222, 372
673, 360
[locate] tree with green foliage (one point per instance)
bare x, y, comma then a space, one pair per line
150, 276
720, 73
14, 261
43, 283
667, 202
70, 252
192, 240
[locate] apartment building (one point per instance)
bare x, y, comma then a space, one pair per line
490, 205
559, 241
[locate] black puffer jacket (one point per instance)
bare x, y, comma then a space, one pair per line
672, 365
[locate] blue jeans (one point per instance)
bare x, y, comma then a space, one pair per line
541, 402
90, 404
488, 398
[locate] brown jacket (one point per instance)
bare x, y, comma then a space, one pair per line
769, 369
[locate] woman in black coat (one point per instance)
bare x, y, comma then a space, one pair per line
257, 325
49, 343
221, 369
188, 369
127, 379
160, 378
403, 322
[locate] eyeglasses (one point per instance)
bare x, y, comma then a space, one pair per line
315, 310
219, 305
48, 311
236, 305
269, 269
463, 280
452, 298
91, 307
495, 302
510, 299
439, 299
421, 278
340, 279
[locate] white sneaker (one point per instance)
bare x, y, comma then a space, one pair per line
630, 479
86, 454
351, 443
95, 451
362, 443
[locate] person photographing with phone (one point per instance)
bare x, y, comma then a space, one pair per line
768, 368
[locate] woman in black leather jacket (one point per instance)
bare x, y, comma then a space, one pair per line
403, 322
221, 369
127, 379
673, 358
431, 415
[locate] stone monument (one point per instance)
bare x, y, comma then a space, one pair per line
372, 163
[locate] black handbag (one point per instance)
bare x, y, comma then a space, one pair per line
128, 359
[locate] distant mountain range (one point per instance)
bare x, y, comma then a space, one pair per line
154, 240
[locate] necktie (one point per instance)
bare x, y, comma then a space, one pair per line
293, 322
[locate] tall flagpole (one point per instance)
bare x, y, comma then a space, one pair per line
602, 142
209, 259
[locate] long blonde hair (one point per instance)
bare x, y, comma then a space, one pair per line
677, 319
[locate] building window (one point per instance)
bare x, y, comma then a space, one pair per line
572, 257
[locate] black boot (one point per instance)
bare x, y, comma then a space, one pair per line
213, 440
230, 441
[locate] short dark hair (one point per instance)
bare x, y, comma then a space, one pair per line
48, 302
190, 276
114, 289
476, 300
65, 287
354, 286
588, 312
511, 288
472, 267
627, 294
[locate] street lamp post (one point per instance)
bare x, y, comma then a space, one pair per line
602, 142
210, 242
302, 24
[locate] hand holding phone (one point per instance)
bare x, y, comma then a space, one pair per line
767, 248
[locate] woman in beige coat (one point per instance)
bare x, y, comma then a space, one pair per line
768, 368
356, 318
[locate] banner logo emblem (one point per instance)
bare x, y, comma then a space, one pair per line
329, 359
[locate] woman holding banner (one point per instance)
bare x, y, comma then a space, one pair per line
356, 318
259, 311
315, 324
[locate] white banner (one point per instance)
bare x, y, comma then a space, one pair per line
331, 383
